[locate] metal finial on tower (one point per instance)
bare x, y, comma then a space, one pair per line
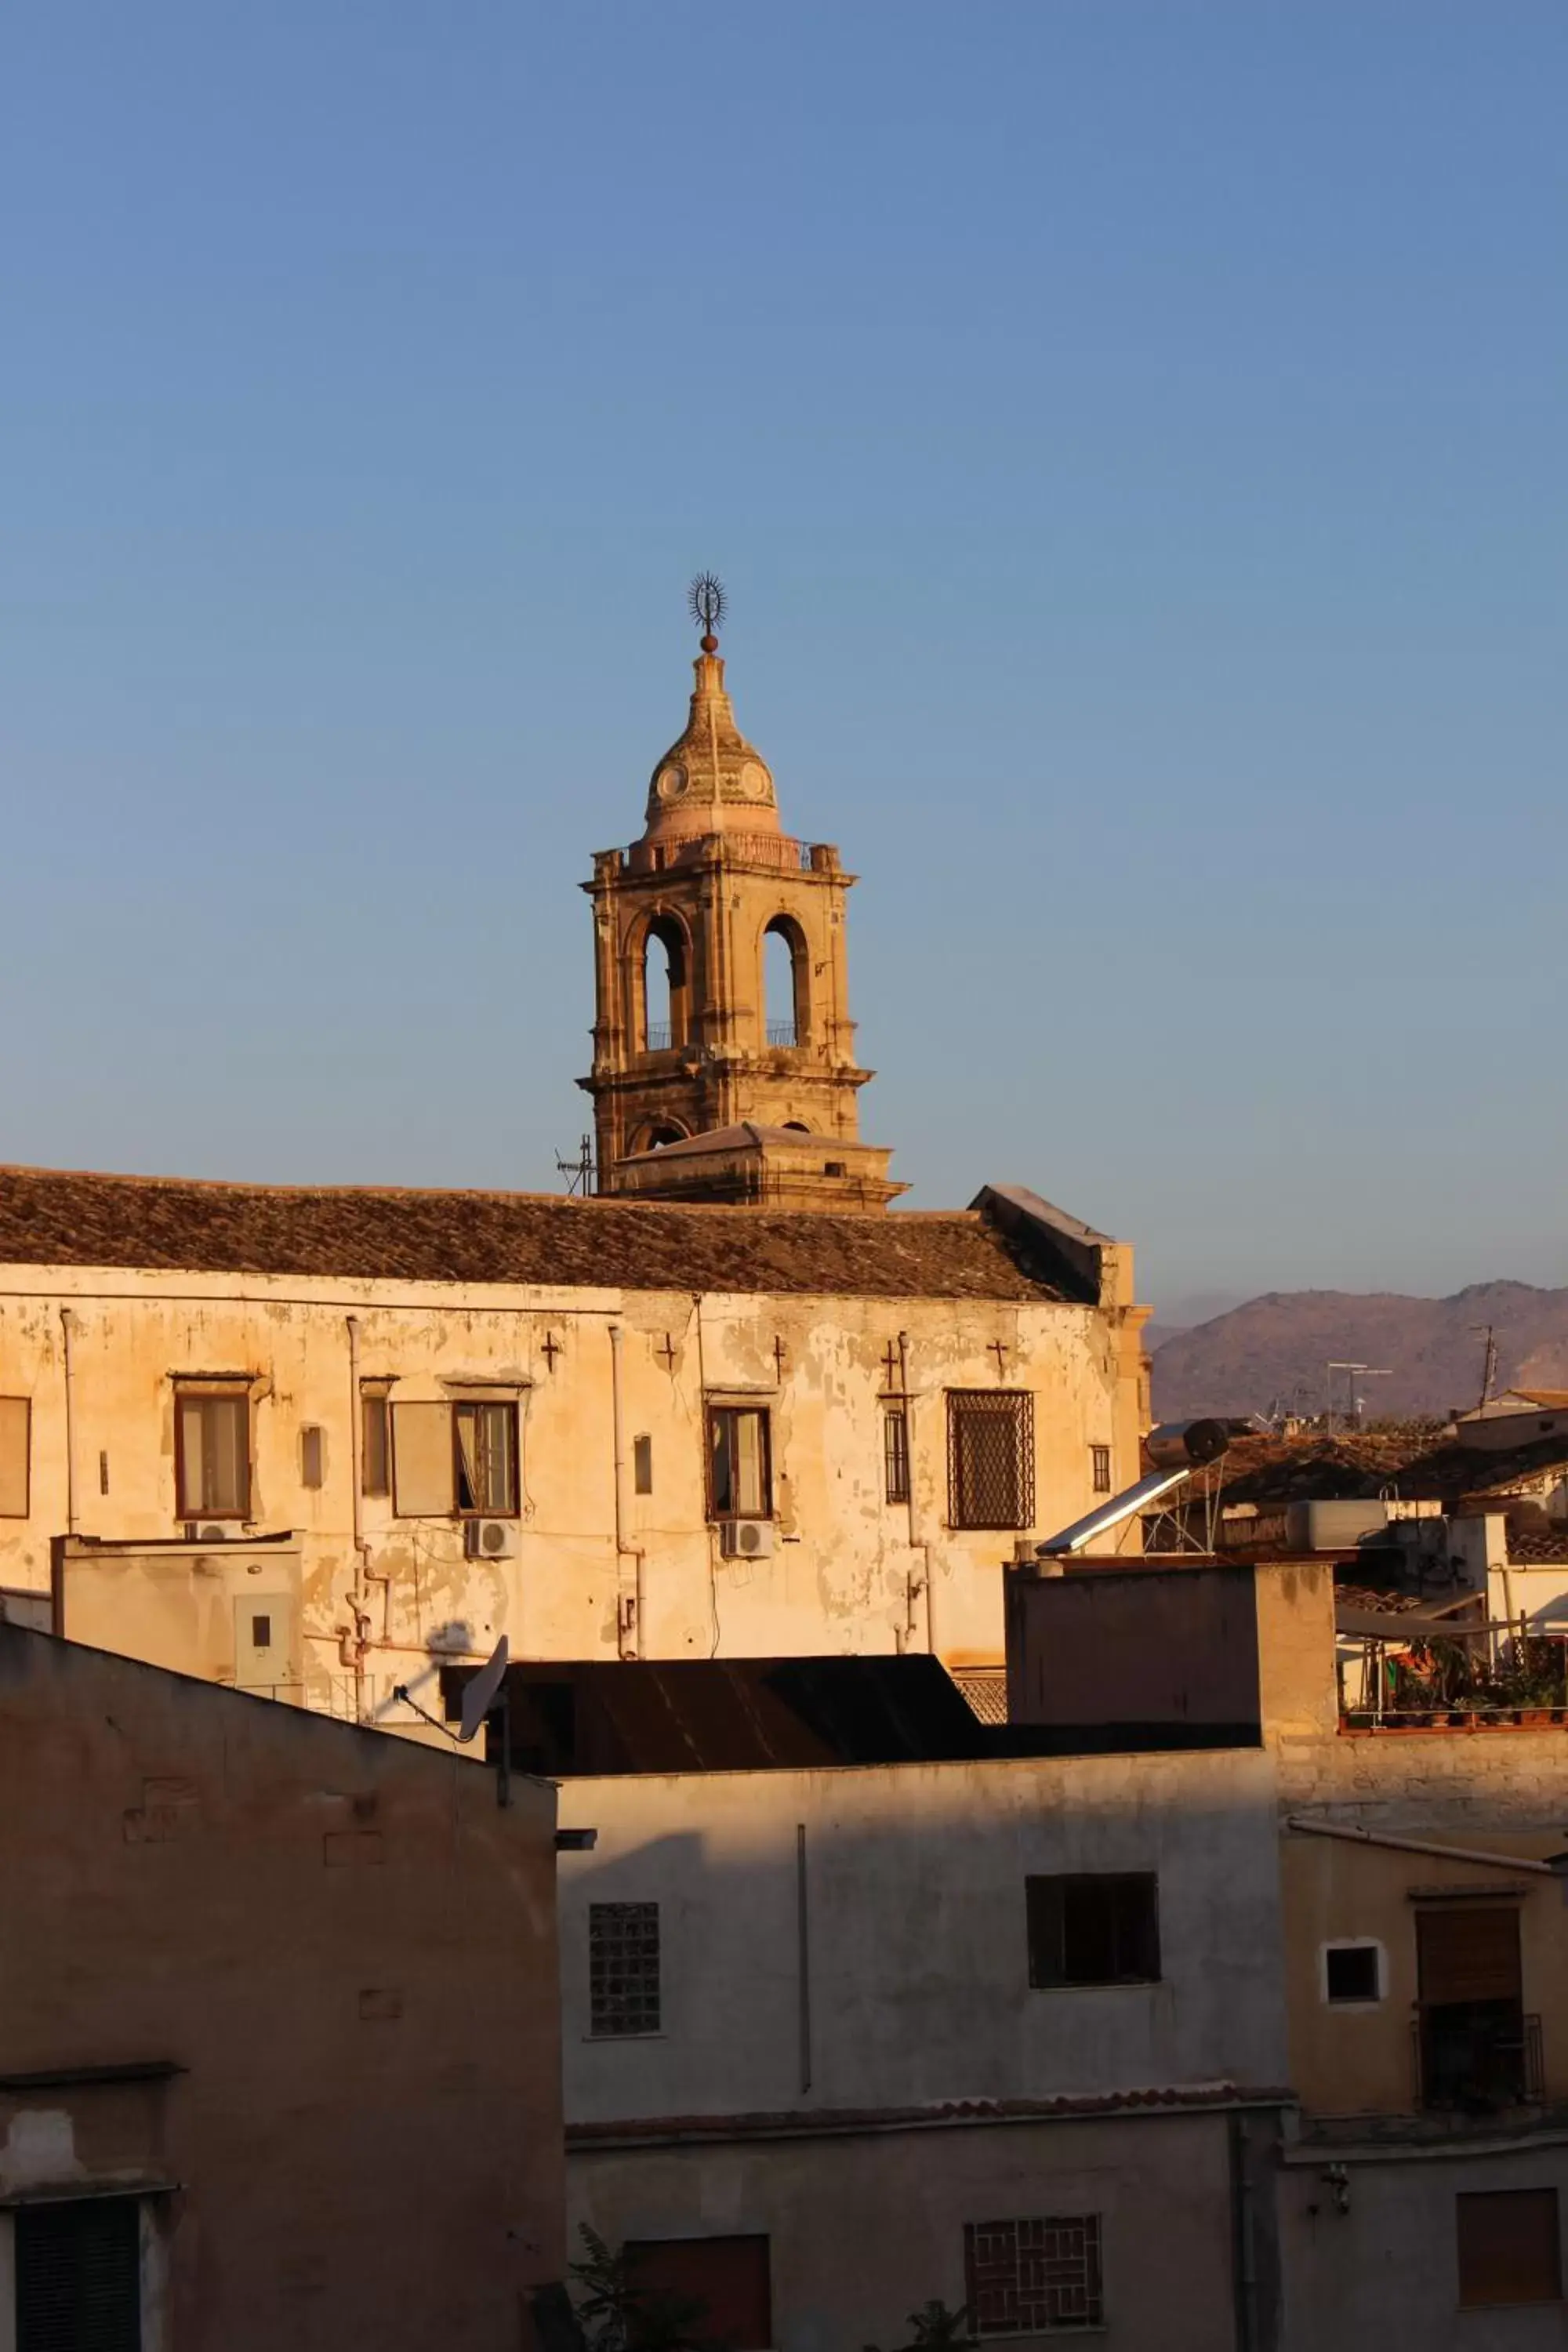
706, 598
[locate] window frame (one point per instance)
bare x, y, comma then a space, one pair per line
719, 1410
896, 1453
238, 1391
506, 1406
1099, 1470
1037, 2323
376, 1406
1473, 2199
25, 1418
1143, 1932
1380, 1967
1016, 1405
600, 2012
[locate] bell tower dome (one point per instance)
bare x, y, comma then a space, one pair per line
703, 1087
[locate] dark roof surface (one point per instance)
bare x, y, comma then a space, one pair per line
584, 1717
732, 1715
54, 1217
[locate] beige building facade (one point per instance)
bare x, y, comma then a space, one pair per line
317, 1442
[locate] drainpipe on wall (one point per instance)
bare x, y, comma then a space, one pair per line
629, 1595
921, 1582
354, 1645
68, 1325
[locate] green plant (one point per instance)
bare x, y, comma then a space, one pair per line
934, 2328
619, 2314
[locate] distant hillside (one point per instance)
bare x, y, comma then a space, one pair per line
1276, 1348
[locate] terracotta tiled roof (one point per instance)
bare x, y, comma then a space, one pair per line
814, 2122
53, 1217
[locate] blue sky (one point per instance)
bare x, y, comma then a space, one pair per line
1133, 439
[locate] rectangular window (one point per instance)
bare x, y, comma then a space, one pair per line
1024, 2276
1508, 2246
642, 1466
375, 1442
1098, 1929
15, 1435
78, 2275
1351, 1972
708, 2290
484, 1440
1473, 2038
313, 1456
739, 1472
212, 1453
1100, 1467
990, 1458
623, 1968
895, 1453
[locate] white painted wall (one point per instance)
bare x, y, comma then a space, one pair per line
917, 1953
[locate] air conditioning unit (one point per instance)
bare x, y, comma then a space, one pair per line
746, 1538
489, 1539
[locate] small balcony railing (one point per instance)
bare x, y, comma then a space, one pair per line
1475, 2057
659, 1037
782, 1033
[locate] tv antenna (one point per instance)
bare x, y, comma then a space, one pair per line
1489, 1373
580, 1170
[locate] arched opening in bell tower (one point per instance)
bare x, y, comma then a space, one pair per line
663, 986
786, 1001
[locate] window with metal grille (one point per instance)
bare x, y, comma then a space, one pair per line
990, 1458
740, 1468
1508, 2246
623, 1968
1022, 2276
78, 2276
1093, 1929
212, 1453
1100, 1468
895, 1453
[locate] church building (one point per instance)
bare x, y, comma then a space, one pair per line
321, 1443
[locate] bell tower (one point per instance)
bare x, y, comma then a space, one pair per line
705, 1086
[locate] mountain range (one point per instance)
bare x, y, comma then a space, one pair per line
1274, 1351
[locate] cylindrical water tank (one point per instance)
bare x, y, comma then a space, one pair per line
1177, 1445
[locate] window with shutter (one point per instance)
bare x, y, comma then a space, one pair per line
1507, 2242
212, 1451
714, 2290
16, 1430
422, 1486
78, 2276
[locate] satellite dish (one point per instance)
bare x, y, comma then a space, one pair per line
479, 1696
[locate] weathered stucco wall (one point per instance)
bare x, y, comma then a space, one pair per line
346, 1949
850, 1571
864, 2230
918, 1955
1358, 2059
1385, 2273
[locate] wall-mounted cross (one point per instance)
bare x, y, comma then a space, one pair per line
999, 1349
779, 1353
893, 1364
667, 1353
552, 1347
